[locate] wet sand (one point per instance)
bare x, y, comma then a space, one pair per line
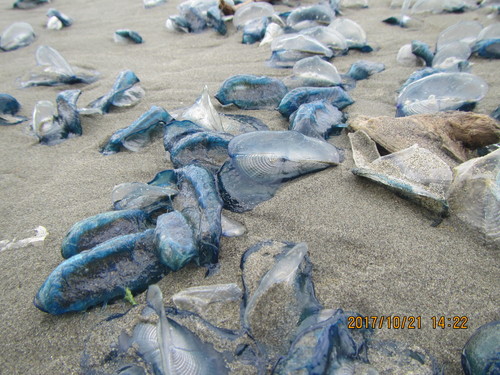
372, 252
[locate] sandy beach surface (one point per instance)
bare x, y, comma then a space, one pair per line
372, 252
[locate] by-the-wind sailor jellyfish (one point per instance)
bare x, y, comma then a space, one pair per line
126, 36
57, 20
126, 91
481, 352
309, 16
9, 106
137, 134
17, 35
101, 274
441, 92
51, 127
170, 348
313, 72
247, 91
452, 56
270, 156
52, 69
463, 31
251, 11
354, 34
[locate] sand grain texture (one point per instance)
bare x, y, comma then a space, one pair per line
372, 252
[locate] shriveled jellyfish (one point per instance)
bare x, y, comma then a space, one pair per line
279, 293
474, 195
414, 173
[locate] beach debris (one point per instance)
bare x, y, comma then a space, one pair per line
198, 298
57, 20
127, 36
441, 92
363, 69
146, 197
28, 4
101, 274
40, 234
336, 96
318, 119
480, 353
313, 72
474, 195
309, 16
126, 92
279, 293
248, 91
153, 3
414, 173
17, 35
9, 106
262, 161
453, 136
137, 134
94, 230
52, 69
52, 127
202, 113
